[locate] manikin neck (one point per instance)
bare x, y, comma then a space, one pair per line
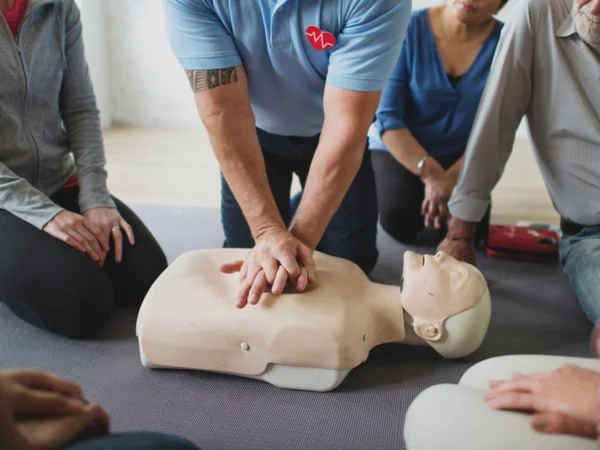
388, 314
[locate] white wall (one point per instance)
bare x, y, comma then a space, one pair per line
147, 85
149, 88
93, 18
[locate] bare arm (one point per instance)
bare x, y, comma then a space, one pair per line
348, 115
407, 151
223, 103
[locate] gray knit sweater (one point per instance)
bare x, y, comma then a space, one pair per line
49, 122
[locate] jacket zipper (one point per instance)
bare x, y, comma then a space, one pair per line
18, 46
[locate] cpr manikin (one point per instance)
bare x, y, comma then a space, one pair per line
308, 340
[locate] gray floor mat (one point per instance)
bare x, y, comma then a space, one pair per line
534, 311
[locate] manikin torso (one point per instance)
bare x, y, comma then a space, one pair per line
308, 340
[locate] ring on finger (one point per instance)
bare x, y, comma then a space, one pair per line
115, 229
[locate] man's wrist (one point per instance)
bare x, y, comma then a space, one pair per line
458, 229
267, 228
304, 236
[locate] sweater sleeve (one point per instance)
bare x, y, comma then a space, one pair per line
81, 118
21, 199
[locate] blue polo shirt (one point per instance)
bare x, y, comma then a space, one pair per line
286, 73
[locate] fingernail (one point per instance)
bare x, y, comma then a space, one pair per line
539, 423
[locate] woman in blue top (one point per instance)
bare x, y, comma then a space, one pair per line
426, 113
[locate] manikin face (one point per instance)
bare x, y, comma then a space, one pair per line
438, 287
473, 12
587, 22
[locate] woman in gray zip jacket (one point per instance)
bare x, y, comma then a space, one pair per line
68, 250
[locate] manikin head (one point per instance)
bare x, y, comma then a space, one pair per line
448, 302
587, 21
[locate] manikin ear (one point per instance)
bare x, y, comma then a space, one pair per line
429, 330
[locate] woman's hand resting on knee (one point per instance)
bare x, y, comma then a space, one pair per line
90, 233
80, 233
39, 411
112, 224
564, 401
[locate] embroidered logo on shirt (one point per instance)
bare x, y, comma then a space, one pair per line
320, 40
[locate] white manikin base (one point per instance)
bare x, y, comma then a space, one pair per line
286, 377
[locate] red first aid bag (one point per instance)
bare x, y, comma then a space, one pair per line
522, 243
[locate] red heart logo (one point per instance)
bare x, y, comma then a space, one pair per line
320, 40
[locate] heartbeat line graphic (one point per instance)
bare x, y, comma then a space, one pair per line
320, 38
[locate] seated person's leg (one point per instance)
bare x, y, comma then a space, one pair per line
399, 198
580, 257
352, 232
503, 367
448, 417
135, 441
141, 264
50, 284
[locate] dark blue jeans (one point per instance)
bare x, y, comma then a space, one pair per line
580, 257
135, 441
352, 232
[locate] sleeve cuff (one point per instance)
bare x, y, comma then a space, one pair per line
355, 84
93, 192
212, 62
468, 208
390, 123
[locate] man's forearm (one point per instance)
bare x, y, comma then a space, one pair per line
348, 115
332, 171
235, 143
224, 107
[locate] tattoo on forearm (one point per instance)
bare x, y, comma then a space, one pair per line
202, 80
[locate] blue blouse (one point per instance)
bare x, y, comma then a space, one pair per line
419, 96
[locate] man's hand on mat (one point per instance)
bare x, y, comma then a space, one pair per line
459, 241
564, 401
112, 224
276, 259
80, 233
39, 411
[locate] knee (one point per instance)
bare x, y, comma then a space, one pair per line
144, 276
81, 308
397, 225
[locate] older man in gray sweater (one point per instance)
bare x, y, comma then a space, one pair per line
547, 68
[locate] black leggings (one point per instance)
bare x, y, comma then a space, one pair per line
57, 288
400, 195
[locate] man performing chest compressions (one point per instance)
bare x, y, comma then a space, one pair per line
308, 340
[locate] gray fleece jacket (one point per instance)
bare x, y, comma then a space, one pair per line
49, 122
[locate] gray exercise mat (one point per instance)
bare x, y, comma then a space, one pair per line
534, 311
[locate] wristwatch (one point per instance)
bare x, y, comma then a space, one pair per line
421, 165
